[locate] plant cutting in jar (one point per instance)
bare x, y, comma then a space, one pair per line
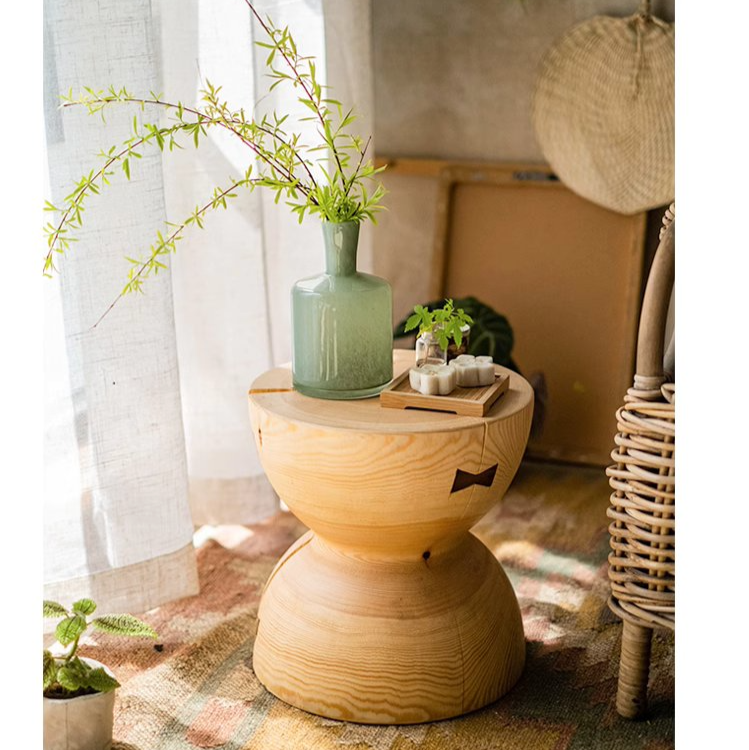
443, 323
491, 333
78, 692
329, 177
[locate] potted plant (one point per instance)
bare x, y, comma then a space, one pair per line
79, 692
438, 327
341, 319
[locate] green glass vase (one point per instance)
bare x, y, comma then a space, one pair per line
342, 324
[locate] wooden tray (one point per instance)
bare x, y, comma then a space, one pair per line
470, 402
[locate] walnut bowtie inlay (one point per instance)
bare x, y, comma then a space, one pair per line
465, 479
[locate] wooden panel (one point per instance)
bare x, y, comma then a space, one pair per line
567, 274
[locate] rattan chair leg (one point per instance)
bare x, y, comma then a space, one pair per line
634, 667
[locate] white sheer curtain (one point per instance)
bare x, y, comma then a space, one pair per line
147, 429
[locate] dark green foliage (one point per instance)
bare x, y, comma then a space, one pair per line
491, 333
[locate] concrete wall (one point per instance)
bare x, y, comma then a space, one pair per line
454, 77
453, 80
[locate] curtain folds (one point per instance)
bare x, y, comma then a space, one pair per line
147, 428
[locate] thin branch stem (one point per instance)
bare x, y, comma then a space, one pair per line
298, 156
272, 163
300, 80
203, 118
83, 191
352, 180
172, 238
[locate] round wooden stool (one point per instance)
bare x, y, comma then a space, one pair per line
389, 611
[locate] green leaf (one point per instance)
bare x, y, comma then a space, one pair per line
124, 625
101, 681
71, 678
456, 333
309, 104
84, 607
70, 629
53, 609
50, 669
412, 322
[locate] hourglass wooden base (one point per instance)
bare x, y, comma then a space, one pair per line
389, 610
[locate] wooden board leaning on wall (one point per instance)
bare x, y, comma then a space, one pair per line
566, 273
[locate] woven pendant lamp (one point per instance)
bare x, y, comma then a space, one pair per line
603, 110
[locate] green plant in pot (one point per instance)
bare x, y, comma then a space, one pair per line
79, 692
342, 319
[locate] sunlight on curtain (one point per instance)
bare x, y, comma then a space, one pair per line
116, 521
148, 431
231, 280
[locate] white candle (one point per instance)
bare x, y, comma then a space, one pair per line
448, 379
433, 380
473, 371
468, 376
430, 383
485, 369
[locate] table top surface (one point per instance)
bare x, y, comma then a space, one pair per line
274, 393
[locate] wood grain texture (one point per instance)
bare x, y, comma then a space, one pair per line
389, 610
273, 392
471, 402
386, 643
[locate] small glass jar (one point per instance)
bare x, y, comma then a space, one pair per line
453, 350
428, 351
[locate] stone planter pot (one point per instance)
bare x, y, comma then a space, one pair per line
83, 723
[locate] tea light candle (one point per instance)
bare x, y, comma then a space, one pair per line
485, 369
473, 371
433, 380
448, 380
468, 376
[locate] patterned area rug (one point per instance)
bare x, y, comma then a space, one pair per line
196, 688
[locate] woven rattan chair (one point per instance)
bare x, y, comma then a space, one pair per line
643, 478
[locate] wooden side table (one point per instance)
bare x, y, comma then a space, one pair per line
389, 611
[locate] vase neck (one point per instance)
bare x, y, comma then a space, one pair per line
341, 241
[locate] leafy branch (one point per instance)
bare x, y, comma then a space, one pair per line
142, 269
68, 676
284, 163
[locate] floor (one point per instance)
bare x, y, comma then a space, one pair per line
198, 690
